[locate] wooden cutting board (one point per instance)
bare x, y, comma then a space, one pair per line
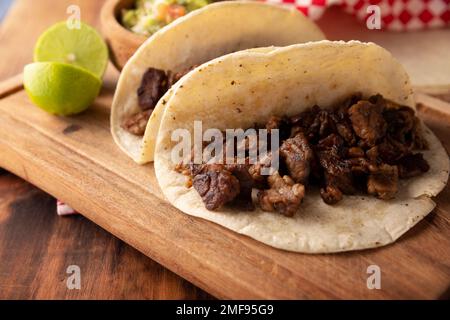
76, 160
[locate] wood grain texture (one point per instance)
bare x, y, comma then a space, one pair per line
36, 245
36, 248
11, 85
86, 170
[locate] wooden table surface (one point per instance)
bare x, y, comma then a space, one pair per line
37, 246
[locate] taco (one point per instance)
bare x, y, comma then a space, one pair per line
357, 168
217, 29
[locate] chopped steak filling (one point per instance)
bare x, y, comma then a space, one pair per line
297, 155
137, 123
154, 85
216, 185
359, 146
382, 181
368, 122
284, 195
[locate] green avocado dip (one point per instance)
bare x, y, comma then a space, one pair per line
148, 16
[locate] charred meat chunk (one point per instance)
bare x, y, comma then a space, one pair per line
412, 165
323, 125
153, 86
343, 180
280, 124
333, 143
344, 128
297, 155
359, 165
342, 108
173, 77
383, 181
246, 184
137, 123
389, 151
331, 194
368, 122
306, 118
273, 123
400, 123
419, 141
256, 170
284, 196
343, 124
355, 152
337, 171
315, 123
216, 185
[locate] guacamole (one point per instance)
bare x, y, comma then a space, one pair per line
148, 16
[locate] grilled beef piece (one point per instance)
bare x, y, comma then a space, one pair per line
334, 143
368, 122
255, 170
306, 118
405, 128
246, 184
314, 123
137, 123
338, 177
322, 126
341, 179
343, 124
383, 181
359, 165
173, 77
345, 130
297, 155
240, 172
273, 123
284, 128
330, 151
418, 137
355, 152
400, 123
331, 194
216, 185
284, 195
343, 107
153, 86
389, 151
412, 165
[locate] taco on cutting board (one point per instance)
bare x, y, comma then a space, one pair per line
356, 166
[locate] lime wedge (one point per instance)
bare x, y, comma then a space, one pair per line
60, 88
82, 47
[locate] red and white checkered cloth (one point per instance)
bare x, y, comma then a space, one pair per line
63, 209
396, 15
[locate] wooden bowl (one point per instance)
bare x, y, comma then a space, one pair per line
122, 42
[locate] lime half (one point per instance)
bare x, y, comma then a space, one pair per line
82, 47
60, 88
